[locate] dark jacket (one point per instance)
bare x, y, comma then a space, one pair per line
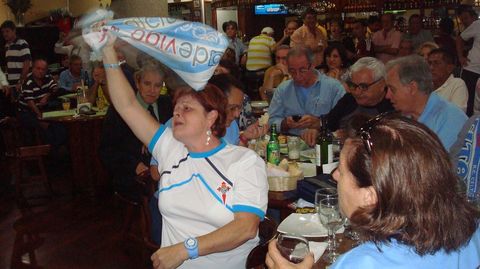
121, 151
347, 106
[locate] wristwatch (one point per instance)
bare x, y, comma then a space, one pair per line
191, 244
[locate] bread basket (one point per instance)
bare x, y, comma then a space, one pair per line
287, 183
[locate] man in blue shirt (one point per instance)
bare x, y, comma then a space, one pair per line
309, 94
410, 88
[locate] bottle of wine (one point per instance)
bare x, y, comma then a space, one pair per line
324, 140
273, 147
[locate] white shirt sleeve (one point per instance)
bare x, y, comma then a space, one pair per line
250, 184
471, 31
162, 144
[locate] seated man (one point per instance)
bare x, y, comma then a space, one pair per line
453, 89
34, 97
308, 94
71, 78
409, 83
366, 96
122, 153
275, 74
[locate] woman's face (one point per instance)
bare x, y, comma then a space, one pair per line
333, 60
149, 86
335, 28
350, 196
190, 120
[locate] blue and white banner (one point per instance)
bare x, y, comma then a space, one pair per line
468, 166
190, 49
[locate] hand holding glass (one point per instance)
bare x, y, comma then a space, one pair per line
293, 248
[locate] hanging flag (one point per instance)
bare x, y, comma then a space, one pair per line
190, 49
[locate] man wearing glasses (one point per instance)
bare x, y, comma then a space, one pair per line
410, 88
297, 104
367, 96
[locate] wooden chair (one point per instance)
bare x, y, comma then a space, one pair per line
266, 231
137, 214
26, 164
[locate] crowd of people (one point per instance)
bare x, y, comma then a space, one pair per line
399, 172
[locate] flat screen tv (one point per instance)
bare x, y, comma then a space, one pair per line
271, 9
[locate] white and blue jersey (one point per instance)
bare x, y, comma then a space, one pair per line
200, 192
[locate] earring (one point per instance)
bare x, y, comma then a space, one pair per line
209, 133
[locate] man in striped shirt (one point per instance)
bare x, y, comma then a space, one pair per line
260, 50
36, 91
17, 56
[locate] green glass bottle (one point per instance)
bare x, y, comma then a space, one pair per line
322, 146
273, 147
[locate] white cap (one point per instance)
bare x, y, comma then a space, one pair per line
267, 30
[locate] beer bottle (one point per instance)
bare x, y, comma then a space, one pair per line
273, 147
322, 146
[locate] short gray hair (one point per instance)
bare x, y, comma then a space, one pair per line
413, 68
369, 63
301, 51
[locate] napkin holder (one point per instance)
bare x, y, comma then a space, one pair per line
84, 108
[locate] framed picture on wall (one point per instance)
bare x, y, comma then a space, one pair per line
196, 3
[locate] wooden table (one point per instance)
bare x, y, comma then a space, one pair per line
84, 134
344, 245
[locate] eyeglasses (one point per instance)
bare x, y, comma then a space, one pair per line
365, 131
362, 86
299, 71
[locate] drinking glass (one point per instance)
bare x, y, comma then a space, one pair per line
331, 218
292, 247
321, 194
100, 103
66, 104
293, 143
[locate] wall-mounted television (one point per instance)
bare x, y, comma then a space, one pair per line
271, 9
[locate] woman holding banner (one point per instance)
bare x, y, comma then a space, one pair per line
211, 195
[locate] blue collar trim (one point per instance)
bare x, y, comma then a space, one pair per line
210, 152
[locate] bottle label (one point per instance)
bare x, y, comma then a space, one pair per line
273, 156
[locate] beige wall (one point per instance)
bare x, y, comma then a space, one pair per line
39, 10
140, 8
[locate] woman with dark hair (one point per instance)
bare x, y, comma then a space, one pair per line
401, 195
335, 59
212, 195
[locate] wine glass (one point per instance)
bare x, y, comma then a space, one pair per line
331, 218
293, 247
321, 194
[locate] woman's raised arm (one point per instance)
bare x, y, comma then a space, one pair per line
124, 100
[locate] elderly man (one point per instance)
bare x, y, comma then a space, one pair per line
386, 41
366, 96
410, 87
453, 89
275, 74
416, 33
71, 78
309, 35
309, 94
34, 97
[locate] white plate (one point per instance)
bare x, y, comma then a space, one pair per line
307, 225
308, 154
258, 104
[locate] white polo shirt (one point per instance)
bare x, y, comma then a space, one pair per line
200, 192
473, 31
455, 91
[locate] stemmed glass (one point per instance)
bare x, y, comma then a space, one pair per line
321, 194
292, 247
331, 218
